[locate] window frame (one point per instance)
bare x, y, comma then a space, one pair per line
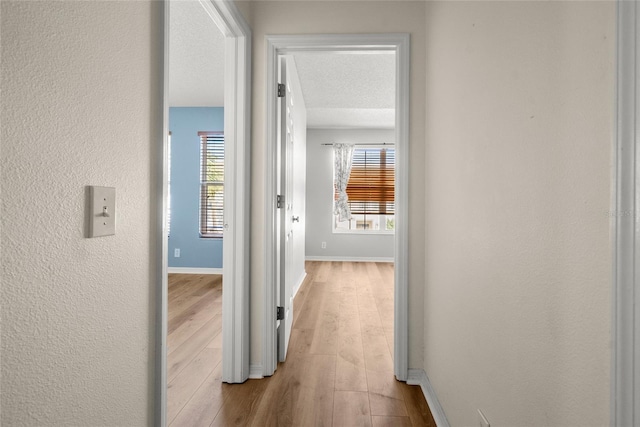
334, 221
168, 223
204, 185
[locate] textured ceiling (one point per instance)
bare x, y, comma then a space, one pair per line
196, 57
348, 90
341, 90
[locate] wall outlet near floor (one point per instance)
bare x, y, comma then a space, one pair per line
176, 252
483, 420
324, 245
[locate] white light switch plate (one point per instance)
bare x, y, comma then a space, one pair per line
102, 210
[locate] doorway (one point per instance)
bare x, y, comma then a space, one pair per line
286, 45
235, 312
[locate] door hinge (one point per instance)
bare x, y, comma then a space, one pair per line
280, 313
279, 201
281, 90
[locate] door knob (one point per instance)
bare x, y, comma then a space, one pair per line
295, 219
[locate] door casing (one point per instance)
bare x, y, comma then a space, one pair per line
625, 321
282, 45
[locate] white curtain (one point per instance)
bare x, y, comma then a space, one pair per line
343, 155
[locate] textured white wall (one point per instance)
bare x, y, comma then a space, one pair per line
518, 185
316, 17
80, 106
320, 198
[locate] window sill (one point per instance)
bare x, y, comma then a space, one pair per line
364, 232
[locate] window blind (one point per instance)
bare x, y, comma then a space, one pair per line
371, 187
211, 184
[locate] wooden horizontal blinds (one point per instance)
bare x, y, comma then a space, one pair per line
211, 184
372, 182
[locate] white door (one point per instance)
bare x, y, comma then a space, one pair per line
286, 216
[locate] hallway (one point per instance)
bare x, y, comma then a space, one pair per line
339, 369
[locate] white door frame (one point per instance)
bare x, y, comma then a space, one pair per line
278, 45
625, 374
237, 120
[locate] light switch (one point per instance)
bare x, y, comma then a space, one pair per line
102, 210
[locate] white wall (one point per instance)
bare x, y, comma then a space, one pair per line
314, 17
320, 198
81, 105
518, 267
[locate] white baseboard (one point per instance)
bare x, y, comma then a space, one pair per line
349, 258
194, 270
255, 372
419, 377
299, 283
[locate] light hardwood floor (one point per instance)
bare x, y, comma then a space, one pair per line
339, 368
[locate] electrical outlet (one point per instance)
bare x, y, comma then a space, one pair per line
483, 420
324, 245
176, 252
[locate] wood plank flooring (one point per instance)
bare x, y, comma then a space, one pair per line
339, 368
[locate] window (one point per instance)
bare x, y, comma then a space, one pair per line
371, 192
211, 183
169, 186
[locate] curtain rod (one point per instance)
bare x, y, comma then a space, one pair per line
371, 143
